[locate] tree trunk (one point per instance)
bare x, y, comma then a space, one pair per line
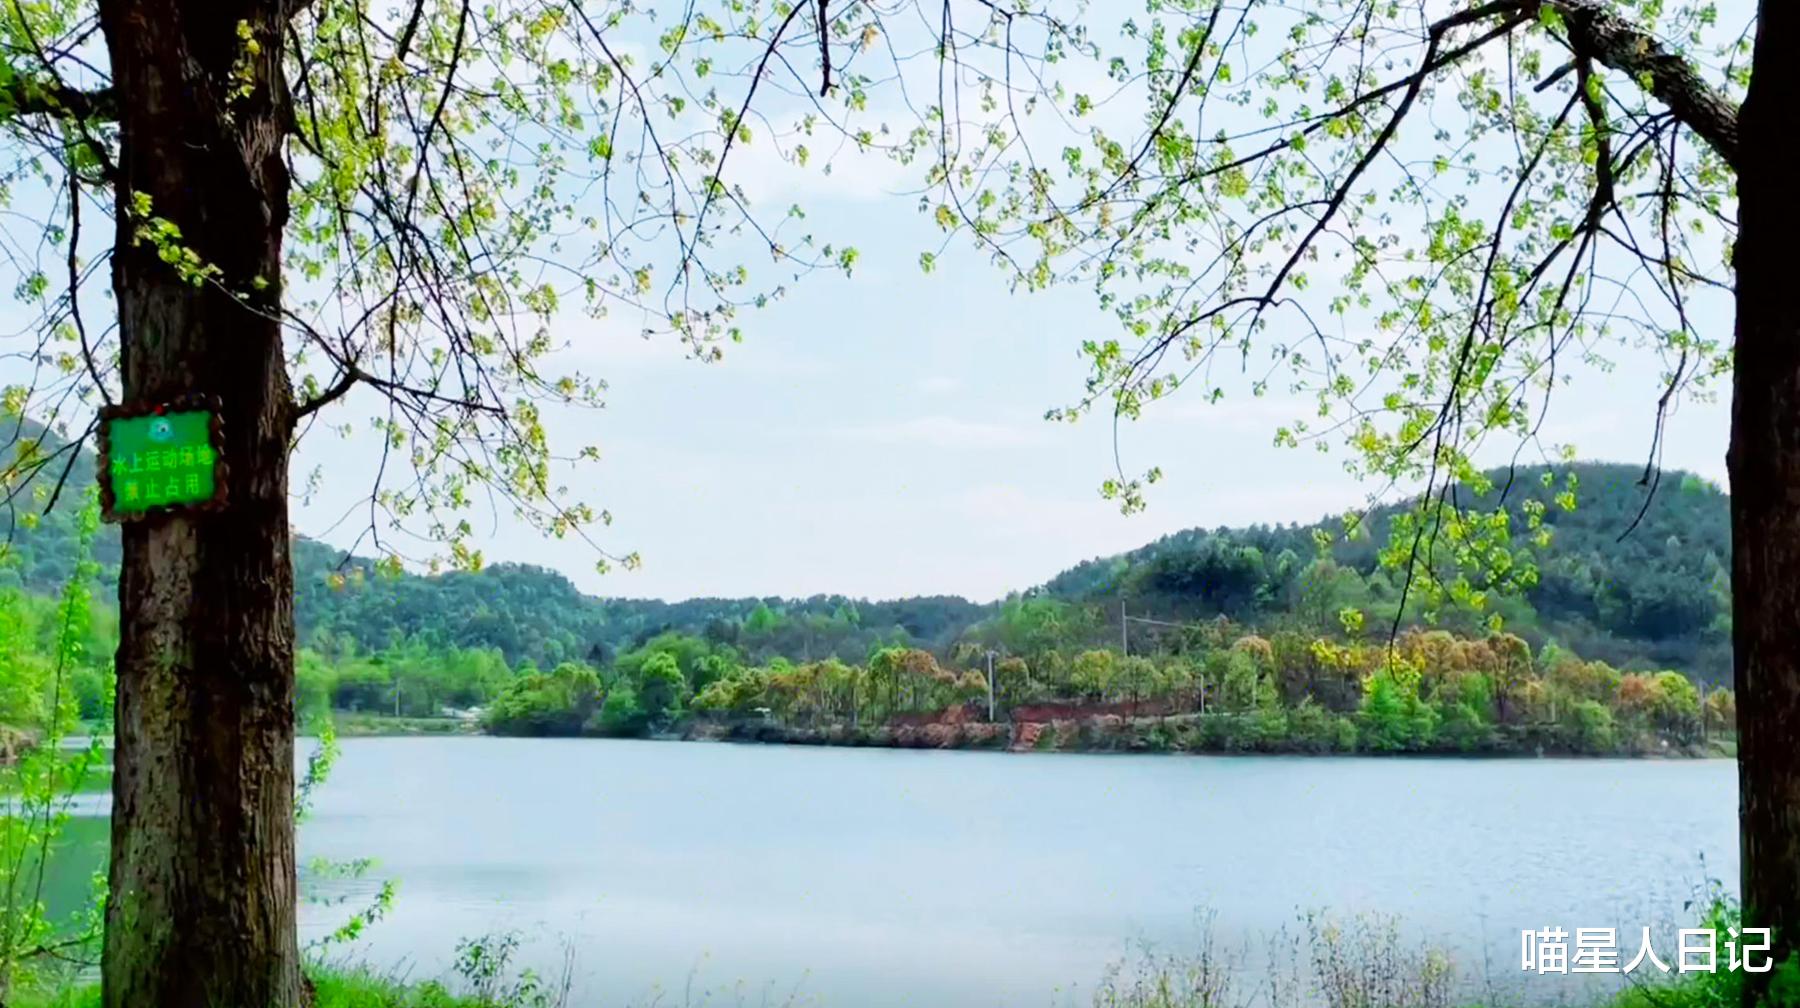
1765, 486
202, 906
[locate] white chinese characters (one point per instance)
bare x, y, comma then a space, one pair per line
1597, 950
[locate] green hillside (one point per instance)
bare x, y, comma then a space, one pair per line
1655, 598
526, 612
1649, 592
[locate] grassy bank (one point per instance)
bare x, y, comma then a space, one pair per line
1177, 989
332, 988
1372, 979
1364, 962
1319, 961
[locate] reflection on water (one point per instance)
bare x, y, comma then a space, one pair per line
884, 878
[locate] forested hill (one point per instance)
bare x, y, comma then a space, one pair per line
531, 612
1637, 592
526, 612
1658, 598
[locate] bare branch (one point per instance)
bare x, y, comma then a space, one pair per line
337, 391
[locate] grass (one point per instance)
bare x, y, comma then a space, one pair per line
360, 987
1155, 983
1364, 962
333, 987
1360, 962
484, 972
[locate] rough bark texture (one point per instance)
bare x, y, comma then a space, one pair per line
1765, 484
1598, 32
202, 907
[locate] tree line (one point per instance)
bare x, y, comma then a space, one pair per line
1655, 598
1423, 691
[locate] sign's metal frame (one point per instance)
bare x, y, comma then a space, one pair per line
191, 403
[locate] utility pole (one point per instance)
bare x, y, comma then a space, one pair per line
1703, 715
1124, 630
990, 677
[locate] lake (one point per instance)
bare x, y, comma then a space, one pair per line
866, 877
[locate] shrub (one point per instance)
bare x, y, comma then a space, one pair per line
1593, 727
620, 713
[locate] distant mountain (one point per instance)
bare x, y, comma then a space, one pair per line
1637, 592
527, 612
39, 547
531, 612
1657, 598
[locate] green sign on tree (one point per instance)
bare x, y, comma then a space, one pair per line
160, 459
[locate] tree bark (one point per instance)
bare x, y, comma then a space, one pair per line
1597, 31
1764, 462
202, 906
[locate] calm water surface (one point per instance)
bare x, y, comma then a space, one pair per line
853, 877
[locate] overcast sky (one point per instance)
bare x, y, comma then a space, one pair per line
884, 436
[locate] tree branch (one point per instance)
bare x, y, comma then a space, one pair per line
350, 374
25, 96
1596, 33
328, 396
824, 50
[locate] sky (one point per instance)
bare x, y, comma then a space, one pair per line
883, 435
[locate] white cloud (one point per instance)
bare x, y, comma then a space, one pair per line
1028, 535
942, 432
1018, 509
938, 385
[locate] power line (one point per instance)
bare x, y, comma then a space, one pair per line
1166, 623
1125, 617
